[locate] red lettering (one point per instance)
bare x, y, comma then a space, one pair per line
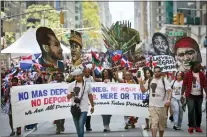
64, 99
33, 103
51, 100
45, 101
36, 103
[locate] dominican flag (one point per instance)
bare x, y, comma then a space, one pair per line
125, 62
95, 59
116, 55
28, 61
98, 70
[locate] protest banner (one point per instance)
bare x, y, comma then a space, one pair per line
119, 99
39, 103
166, 62
47, 102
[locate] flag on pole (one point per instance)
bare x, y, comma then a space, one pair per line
116, 55
95, 59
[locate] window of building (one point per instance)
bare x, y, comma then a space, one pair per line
160, 25
76, 18
160, 18
159, 11
159, 3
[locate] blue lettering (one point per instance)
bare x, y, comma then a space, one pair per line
23, 96
39, 93
58, 91
109, 96
99, 89
52, 92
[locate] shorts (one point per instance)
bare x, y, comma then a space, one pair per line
158, 117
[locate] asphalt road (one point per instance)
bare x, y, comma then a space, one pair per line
117, 128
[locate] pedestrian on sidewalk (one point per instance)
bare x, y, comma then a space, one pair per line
176, 104
193, 85
159, 99
80, 93
14, 82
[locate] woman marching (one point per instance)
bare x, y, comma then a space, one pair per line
148, 74
129, 120
176, 104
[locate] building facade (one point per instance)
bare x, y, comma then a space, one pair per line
141, 18
104, 13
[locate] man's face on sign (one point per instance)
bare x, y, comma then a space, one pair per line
160, 45
75, 51
184, 56
55, 49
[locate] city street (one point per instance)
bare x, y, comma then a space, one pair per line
117, 128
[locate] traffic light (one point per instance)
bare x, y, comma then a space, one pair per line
176, 19
181, 19
61, 17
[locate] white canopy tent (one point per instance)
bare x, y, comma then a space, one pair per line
27, 44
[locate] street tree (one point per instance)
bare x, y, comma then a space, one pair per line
91, 18
9, 36
44, 15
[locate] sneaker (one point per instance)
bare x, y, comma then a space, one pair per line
190, 130
12, 134
88, 129
105, 130
62, 129
175, 128
198, 129
126, 127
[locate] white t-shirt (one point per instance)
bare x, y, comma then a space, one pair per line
157, 92
196, 87
176, 91
84, 106
89, 79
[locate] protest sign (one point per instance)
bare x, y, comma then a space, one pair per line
119, 99
47, 102
166, 62
39, 103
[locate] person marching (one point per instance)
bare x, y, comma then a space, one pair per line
176, 104
129, 120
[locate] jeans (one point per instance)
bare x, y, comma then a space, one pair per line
177, 112
88, 122
79, 123
106, 119
194, 111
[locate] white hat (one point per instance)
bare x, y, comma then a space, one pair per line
77, 72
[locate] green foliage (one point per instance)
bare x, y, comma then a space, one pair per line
10, 38
91, 19
91, 14
51, 15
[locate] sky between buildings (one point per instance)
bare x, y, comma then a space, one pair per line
122, 11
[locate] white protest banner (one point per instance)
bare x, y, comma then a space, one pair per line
47, 102
39, 103
119, 99
166, 62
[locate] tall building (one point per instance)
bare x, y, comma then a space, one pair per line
104, 12
137, 16
140, 18
78, 14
